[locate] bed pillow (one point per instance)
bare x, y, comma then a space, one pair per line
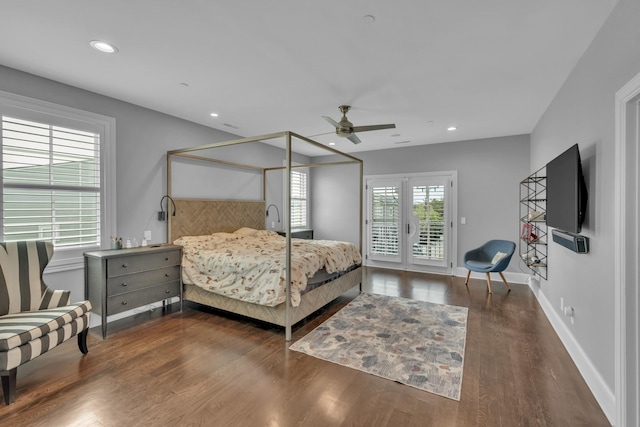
246, 231
497, 257
224, 235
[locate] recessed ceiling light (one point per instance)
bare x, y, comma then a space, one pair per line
214, 114
103, 46
332, 143
450, 128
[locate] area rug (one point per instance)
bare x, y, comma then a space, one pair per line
416, 343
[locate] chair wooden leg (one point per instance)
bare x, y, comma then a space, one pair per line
505, 281
9, 385
489, 283
82, 341
466, 282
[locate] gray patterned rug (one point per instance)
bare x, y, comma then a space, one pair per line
416, 343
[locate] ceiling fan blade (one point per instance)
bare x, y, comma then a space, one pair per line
353, 138
333, 122
321, 134
373, 127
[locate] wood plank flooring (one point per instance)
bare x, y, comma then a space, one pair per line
200, 367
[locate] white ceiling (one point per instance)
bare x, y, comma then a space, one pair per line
489, 67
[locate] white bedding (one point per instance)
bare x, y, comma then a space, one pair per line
250, 265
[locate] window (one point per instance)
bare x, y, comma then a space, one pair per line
299, 186
54, 185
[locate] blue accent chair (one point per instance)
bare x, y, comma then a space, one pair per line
492, 257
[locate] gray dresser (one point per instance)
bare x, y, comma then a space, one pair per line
123, 279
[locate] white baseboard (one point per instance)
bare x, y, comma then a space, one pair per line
603, 394
96, 320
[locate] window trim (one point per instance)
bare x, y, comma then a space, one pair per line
72, 258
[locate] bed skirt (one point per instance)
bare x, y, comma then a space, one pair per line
310, 301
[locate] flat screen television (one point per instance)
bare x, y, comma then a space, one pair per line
566, 192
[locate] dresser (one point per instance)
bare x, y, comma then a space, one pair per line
123, 279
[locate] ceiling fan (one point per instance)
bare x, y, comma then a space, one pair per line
347, 130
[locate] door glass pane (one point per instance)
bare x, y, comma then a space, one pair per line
428, 209
385, 220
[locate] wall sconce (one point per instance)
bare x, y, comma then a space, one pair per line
277, 211
162, 215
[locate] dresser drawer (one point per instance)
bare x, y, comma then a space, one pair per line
141, 262
127, 301
144, 279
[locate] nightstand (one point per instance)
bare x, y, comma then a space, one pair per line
122, 279
299, 233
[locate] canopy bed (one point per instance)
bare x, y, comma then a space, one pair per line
305, 274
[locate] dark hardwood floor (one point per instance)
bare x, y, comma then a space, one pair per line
202, 367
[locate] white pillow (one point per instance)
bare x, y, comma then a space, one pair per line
497, 257
245, 231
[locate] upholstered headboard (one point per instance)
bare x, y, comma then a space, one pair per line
195, 217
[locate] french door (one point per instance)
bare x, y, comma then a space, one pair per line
409, 222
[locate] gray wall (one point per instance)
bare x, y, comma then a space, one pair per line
583, 112
489, 174
335, 203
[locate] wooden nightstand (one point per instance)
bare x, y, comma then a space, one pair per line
122, 279
299, 233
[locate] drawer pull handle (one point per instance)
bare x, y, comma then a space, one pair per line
167, 291
124, 265
124, 284
167, 275
166, 258
124, 303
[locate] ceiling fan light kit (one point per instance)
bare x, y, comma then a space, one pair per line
345, 128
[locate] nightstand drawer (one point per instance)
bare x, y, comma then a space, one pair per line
127, 301
141, 262
144, 279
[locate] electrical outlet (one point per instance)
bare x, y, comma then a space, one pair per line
147, 235
570, 313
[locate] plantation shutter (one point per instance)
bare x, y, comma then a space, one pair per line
50, 183
298, 199
429, 209
385, 221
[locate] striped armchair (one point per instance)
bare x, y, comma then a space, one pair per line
33, 318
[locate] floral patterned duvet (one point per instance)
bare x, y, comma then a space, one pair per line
250, 265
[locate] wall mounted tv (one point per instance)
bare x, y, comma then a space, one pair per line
566, 192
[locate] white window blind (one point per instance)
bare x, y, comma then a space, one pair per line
299, 198
385, 220
50, 183
428, 207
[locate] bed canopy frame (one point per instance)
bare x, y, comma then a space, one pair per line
251, 213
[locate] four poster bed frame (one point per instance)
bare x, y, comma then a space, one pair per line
195, 217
